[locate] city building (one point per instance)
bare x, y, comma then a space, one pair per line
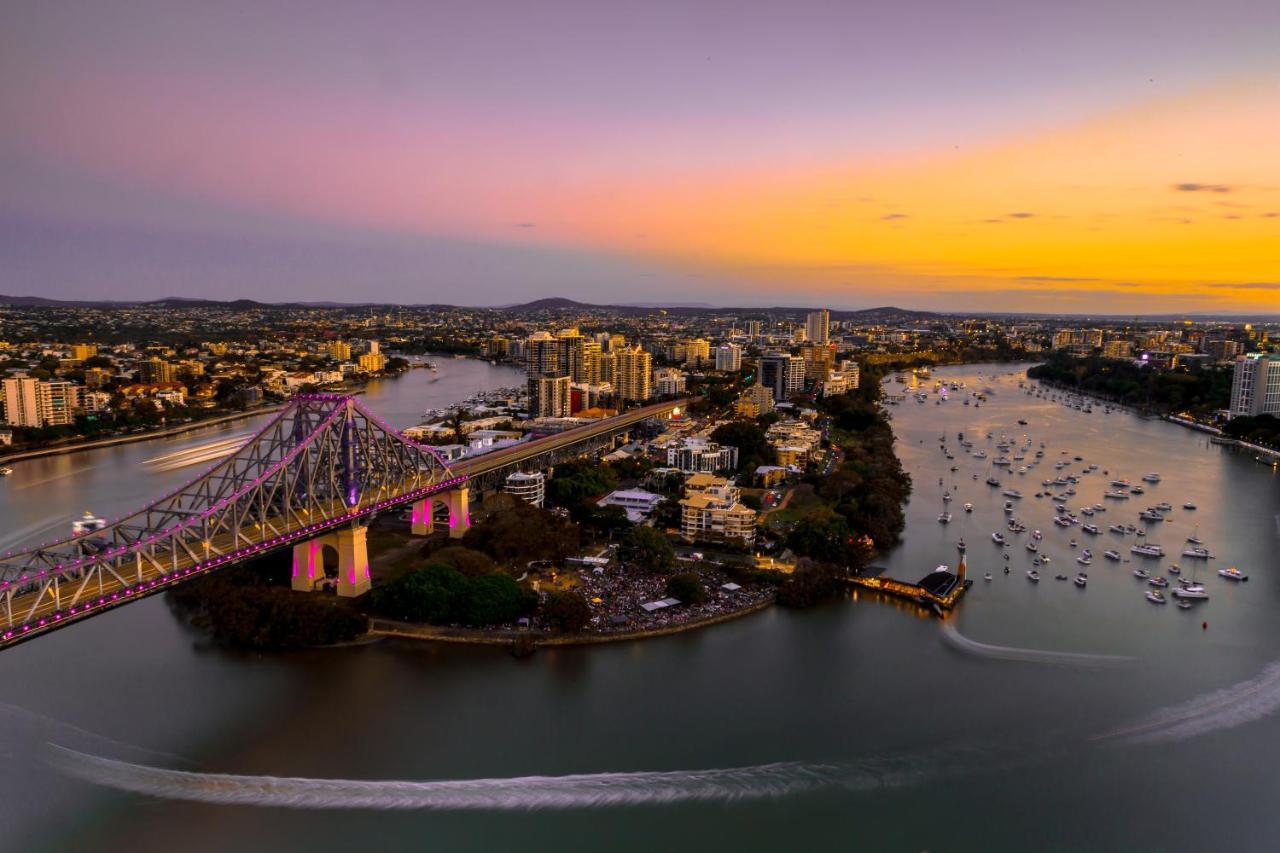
1118, 348
782, 373
695, 455
372, 362
544, 367
530, 487
81, 352
549, 397
154, 371
631, 374
754, 402
1223, 350
669, 382
339, 350
697, 352
712, 513
729, 358
637, 503
35, 403
1255, 385
818, 327
819, 360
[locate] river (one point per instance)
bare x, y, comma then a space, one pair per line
857, 724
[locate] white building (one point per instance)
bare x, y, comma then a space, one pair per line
818, 326
529, 487
35, 403
729, 358
669, 382
638, 503
694, 455
1255, 387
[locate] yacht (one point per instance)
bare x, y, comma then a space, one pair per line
1147, 549
1116, 528
1121, 484
1164, 506
1060, 577
1116, 496
1091, 528
1158, 581
1232, 574
1150, 515
1198, 552
1188, 505
1151, 478
1111, 555
1012, 493
997, 538
1191, 590
1156, 597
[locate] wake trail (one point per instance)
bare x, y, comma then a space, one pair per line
1227, 708
952, 637
526, 793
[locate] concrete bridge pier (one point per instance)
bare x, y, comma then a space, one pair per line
422, 517
351, 545
457, 500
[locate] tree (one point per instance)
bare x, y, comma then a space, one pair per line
687, 587
515, 532
466, 561
811, 583
748, 437
567, 612
821, 534
648, 550
579, 479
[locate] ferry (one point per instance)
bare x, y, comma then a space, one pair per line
87, 523
1233, 574
1147, 549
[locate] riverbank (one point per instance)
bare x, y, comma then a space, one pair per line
148, 435
482, 637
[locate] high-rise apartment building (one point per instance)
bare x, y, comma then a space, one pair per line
33, 403
339, 350
542, 361
631, 373
669, 382
1255, 386
80, 352
154, 371
549, 397
781, 373
819, 361
818, 326
729, 358
697, 352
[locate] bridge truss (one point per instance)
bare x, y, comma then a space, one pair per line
323, 461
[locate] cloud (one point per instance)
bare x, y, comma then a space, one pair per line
526, 225
1022, 214
993, 221
1202, 188
1247, 285
891, 216
1057, 278
1270, 215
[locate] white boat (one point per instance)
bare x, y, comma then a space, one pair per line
1033, 576
87, 523
1156, 597
1091, 528
1011, 493
1032, 547
5, 471
1150, 515
944, 518
997, 538
1194, 590
1158, 581
1084, 561
1233, 574
1147, 549
1111, 555
1080, 580
968, 507
987, 576
1188, 505
1117, 496
1198, 552
1151, 478
1183, 605
1141, 573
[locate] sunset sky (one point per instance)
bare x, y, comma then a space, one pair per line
1119, 156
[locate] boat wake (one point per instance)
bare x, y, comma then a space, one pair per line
952, 637
591, 790
1227, 708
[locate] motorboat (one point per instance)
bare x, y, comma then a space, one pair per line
968, 507
1002, 460
1175, 569
5, 471
987, 576
1080, 580
1073, 543
1193, 591
1037, 535
1188, 505
1011, 493
1008, 506
1033, 547
992, 481
1151, 478
1060, 577
1033, 576
946, 497
1164, 506
944, 518
1084, 561
1156, 597
997, 538
1197, 552
1091, 528
960, 546
1116, 495
1137, 490
1150, 515
1232, 574
87, 523
1147, 549
1116, 528
1111, 555
1141, 573
1183, 605
1156, 580
1121, 484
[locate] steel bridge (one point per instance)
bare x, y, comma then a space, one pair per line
312, 478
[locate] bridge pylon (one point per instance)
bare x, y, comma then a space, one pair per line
422, 517
351, 544
458, 502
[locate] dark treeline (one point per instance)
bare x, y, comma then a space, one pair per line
863, 498
1199, 390
1263, 429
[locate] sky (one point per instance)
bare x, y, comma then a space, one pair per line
1098, 157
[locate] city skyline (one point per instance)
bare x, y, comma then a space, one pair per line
1106, 161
